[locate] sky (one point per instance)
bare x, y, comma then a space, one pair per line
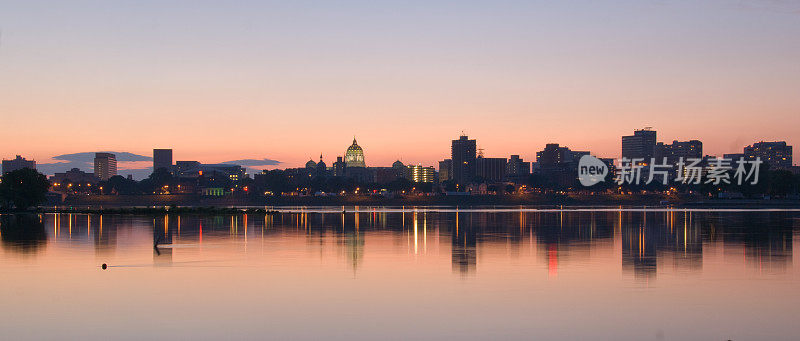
290, 80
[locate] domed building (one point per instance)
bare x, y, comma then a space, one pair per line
322, 168
354, 156
311, 165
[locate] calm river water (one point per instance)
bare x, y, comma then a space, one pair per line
399, 274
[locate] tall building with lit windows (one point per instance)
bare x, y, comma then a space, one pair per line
517, 170
105, 165
673, 152
463, 155
446, 170
418, 173
778, 155
640, 145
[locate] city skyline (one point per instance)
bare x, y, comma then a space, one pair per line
222, 83
144, 165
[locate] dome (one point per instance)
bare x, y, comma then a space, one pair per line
398, 164
354, 156
321, 164
311, 164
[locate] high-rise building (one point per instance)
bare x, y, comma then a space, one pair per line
162, 158
778, 155
18, 163
490, 169
558, 165
421, 174
640, 145
692, 149
517, 170
339, 167
463, 154
105, 165
354, 156
446, 170
555, 156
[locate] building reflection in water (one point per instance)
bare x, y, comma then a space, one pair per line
162, 235
644, 243
23, 233
464, 237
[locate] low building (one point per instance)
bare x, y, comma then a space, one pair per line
517, 170
74, 176
195, 169
490, 169
677, 150
778, 155
18, 163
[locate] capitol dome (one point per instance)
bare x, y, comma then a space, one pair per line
397, 164
354, 156
311, 164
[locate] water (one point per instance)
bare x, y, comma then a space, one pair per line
402, 274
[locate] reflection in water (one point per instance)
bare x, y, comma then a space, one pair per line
464, 238
23, 233
412, 274
162, 235
647, 241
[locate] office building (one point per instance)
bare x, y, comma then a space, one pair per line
778, 155
463, 155
555, 156
162, 158
421, 174
558, 165
105, 165
677, 150
446, 170
640, 145
490, 169
339, 167
75, 176
195, 169
18, 163
517, 170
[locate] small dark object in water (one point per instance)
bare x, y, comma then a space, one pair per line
105, 266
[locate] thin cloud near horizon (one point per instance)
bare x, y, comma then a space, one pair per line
85, 162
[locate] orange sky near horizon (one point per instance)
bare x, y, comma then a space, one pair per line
290, 81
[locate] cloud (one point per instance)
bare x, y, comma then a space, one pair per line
85, 162
254, 162
89, 157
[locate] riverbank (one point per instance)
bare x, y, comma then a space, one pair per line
124, 203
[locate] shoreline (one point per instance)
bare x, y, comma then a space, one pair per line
191, 204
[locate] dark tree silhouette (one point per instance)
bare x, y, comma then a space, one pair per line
23, 188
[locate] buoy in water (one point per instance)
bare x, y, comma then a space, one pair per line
104, 266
